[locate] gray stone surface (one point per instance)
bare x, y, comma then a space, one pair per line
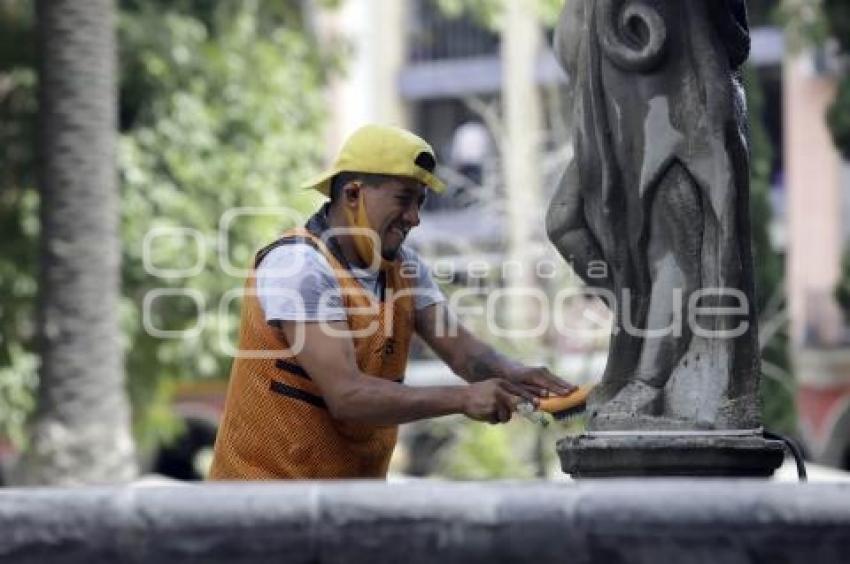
608, 521
618, 455
653, 208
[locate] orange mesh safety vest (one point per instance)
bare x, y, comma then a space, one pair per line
275, 423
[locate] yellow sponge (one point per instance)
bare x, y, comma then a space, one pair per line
565, 406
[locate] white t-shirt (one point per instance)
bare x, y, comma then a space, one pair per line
295, 282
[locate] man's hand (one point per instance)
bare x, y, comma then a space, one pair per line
539, 380
494, 400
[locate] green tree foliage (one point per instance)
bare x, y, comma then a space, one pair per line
777, 384
804, 22
842, 289
221, 108
224, 110
838, 117
488, 452
762, 12
18, 216
838, 21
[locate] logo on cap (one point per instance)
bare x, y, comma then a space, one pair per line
425, 160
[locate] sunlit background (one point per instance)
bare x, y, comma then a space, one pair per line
225, 107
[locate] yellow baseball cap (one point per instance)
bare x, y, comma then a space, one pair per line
382, 149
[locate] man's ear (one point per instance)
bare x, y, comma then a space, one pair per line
351, 191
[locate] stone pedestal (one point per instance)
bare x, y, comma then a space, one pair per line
657, 193
630, 454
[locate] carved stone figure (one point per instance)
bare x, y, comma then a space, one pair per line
653, 210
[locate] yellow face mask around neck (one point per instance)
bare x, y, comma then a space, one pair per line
363, 243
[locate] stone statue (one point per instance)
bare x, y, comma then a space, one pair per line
653, 209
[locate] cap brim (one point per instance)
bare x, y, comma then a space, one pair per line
321, 183
433, 182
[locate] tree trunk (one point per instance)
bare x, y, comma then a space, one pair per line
81, 432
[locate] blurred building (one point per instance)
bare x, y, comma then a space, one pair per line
818, 213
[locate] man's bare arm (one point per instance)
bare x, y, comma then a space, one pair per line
463, 352
329, 358
474, 360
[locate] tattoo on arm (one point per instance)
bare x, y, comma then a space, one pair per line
470, 358
484, 365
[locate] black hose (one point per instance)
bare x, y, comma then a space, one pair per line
795, 452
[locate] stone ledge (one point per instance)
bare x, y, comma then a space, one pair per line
607, 521
694, 455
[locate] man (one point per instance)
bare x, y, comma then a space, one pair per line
329, 312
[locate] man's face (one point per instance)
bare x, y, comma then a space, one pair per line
393, 210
